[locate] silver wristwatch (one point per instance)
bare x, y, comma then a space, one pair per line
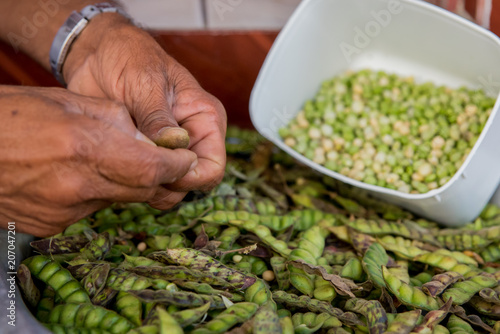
70, 30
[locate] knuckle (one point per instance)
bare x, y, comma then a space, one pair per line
71, 192
71, 140
149, 177
116, 113
210, 182
162, 205
114, 109
145, 195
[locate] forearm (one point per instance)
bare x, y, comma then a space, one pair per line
31, 26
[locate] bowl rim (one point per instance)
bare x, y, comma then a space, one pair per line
435, 193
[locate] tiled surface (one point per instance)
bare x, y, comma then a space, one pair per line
249, 14
166, 14
212, 14
252, 14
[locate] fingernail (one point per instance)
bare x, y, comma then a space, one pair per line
142, 137
193, 165
172, 138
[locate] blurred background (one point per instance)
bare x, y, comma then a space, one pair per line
222, 42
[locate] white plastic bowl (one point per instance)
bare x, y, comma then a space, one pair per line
324, 38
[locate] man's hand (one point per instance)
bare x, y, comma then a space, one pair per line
116, 60
113, 59
63, 156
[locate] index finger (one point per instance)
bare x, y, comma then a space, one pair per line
207, 130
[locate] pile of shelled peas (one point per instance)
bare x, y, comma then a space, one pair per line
386, 130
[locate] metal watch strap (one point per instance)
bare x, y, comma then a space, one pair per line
70, 30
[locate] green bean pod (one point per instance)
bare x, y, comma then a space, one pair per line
323, 289
89, 316
123, 280
146, 329
207, 289
491, 295
281, 272
104, 297
491, 310
422, 277
462, 292
400, 270
404, 248
314, 305
266, 320
80, 227
259, 293
135, 261
46, 304
96, 279
158, 242
179, 298
360, 241
189, 316
463, 241
372, 310
340, 330
373, 260
211, 230
79, 271
58, 278
233, 315
181, 273
441, 282
116, 252
95, 250
459, 256
275, 223
404, 322
491, 253
167, 324
129, 307
265, 235
309, 249
262, 206
382, 227
458, 326
496, 327
60, 329
440, 329
309, 218
30, 291
312, 320
335, 257
60, 245
432, 320
287, 326
228, 237
197, 260
256, 265
352, 207
408, 295
447, 263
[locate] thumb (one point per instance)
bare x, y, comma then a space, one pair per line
159, 123
123, 160
107, 111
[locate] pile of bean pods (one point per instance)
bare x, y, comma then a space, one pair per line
275, 248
